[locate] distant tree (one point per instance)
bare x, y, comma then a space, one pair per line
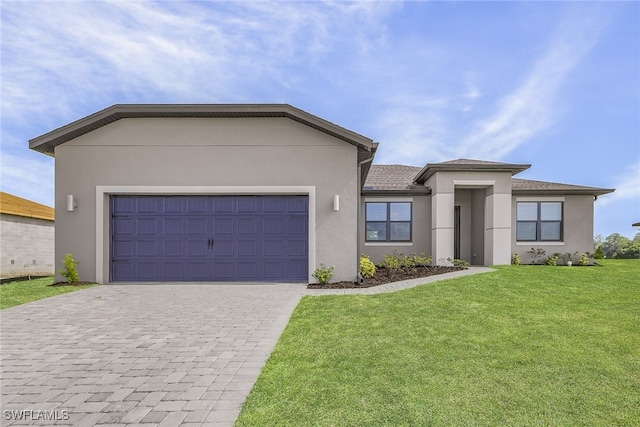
618, 246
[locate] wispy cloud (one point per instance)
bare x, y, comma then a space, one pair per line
530, 108
627, 185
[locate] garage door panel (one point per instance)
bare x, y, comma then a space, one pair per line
205, 238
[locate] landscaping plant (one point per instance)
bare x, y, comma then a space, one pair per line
70, 270
516, 259
323, 274
367, 267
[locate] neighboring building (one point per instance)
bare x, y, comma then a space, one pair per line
149, 193
27, 238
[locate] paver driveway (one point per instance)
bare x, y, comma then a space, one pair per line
140, 354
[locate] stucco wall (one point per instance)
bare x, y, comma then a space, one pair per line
27, 246
577, 226
421, 229
212, 152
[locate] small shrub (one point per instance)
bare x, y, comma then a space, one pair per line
516, 259
552, 260
459, 262
70, 270
536, 253
391, 262
367, 268
323, 274
584, 259
420, 260
599, 253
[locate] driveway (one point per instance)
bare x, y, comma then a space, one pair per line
179, 354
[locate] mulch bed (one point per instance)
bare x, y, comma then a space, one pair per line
384, 276
72, 283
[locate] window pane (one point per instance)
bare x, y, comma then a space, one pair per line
527, 211
376, 211
376, 231
551, 211
526, 231
550, 231
401, 231
400, 211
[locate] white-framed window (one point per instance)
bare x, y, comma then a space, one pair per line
388, 221
539, 221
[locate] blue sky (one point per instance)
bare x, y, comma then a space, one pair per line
554, 84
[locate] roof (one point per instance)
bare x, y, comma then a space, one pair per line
397, 178
468, 165
47, 142
528, 185
14, 205
636, 224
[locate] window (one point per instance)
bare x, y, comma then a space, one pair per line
539, 221
388, 221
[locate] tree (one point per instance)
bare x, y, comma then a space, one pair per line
618, 246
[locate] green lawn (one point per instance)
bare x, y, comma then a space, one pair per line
16, 293
523, 346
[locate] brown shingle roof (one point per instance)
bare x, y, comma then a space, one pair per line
390, 177
13, 205
526, 185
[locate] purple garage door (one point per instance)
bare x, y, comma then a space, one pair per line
209, 238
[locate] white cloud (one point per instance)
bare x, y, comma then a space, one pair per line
530, 108
627, 186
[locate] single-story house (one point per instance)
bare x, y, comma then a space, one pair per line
268, 192
27, 235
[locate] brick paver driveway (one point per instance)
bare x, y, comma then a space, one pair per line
179, 354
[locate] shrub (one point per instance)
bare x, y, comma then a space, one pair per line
584, 259
420, 260
323, 274
367, 268
599, 253
536, 253
459, 262
70, 270
516, 259
552, 260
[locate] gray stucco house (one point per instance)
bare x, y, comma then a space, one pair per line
151, 193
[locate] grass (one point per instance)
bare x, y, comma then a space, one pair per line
523, 346
16, 293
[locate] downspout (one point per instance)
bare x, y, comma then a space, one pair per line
359, 213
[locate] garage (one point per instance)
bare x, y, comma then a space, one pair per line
198, 238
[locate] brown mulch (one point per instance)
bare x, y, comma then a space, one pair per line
73, 283
384, 276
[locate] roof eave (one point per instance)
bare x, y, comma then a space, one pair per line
430, 169
596, 192
47, 142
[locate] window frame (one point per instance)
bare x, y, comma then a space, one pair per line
388, 222
538, 222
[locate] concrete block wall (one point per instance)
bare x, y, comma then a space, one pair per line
26, 246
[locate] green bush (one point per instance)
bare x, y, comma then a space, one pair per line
516, 259
459, 262
420, 260
367, 267
536, 253
599, 253
323, 274
551, 260
584, 259
70, 270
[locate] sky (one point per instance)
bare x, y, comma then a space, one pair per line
552, 84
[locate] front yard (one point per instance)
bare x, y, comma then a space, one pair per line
16, 293
526, 345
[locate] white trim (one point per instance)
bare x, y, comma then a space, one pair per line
474, 182
537, 243
539, 199
388, 199
388, 243
102, 227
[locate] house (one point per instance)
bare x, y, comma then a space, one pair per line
27, 236
152, 193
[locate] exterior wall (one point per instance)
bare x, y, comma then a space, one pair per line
420, 233
497, 214
577, 226
27, 246
197, 155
